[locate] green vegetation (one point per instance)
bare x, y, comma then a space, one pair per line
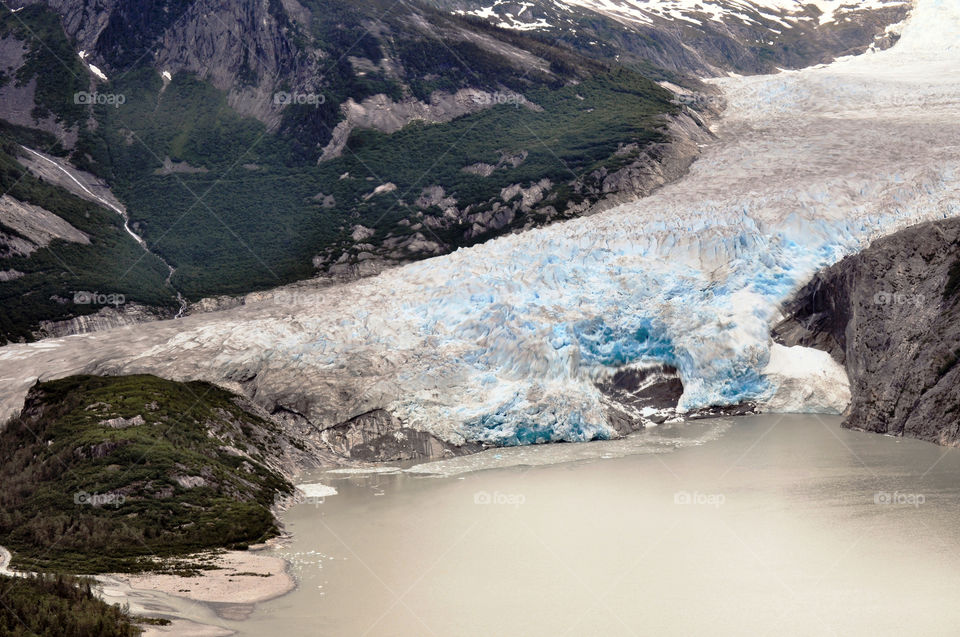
58, 606
116, 473
259, 228
112, 263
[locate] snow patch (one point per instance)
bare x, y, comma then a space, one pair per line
694, 11
97, 72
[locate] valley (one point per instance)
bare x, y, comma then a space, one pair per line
295, 296
502, 343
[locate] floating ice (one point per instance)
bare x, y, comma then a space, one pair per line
316, 490
362, 471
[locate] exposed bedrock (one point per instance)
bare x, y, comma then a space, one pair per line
635, 398
377, 436
891, 315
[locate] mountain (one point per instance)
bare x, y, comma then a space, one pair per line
891, 315
257, 143
516, 340
66, 261
706, 38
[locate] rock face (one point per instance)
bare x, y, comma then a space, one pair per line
32, 228
104, 319
376, 436
210, 38
381, 113
891, 314
635, 398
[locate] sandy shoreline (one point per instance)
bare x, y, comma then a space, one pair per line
240, 581
241, 577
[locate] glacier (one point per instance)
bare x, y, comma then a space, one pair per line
504, 342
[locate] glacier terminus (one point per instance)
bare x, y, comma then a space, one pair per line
505, 342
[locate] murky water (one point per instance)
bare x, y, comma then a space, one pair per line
776, 525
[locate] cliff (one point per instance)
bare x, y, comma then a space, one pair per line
891, 315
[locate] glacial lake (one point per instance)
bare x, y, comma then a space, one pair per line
776, 525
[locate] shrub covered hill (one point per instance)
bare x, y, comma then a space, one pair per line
107, 474
59, 606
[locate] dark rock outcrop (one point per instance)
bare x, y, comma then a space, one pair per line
635, 398
891, 314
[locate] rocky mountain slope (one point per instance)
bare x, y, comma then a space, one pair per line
891, 315
703, 38
257, 144
67, 263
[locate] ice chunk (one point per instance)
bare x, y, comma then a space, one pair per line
316, 490
805, 380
